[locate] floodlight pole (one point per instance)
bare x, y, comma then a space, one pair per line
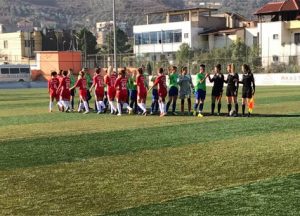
115, 36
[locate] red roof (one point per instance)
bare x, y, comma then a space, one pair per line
276, 7
290, 5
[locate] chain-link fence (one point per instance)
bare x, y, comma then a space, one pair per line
258, 64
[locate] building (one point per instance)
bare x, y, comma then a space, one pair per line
279, 32
103, 28
237, 28
19, 47
201, 28
47, 61
181, 26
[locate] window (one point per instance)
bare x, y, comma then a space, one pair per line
255, 41
4, 71
297, 38
5, 44
138, 39
153, 37
14, 71
275, 36
160, 37
24, 70
275, 58
177, 36
145, 38
186, 35
168, 37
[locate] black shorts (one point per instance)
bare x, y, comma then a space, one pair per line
247, 93
217, 92
231, 92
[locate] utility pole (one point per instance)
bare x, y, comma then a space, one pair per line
115, 36
85, 49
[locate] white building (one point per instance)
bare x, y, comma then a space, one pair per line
181, 26
279, 32
237, 28
198, 27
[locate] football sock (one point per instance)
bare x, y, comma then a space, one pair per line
126, 106
156, 106
79, 107
173, 106
152, 106
119, 108
50, 106
229, 107
201, 107
237, 108
141, 105
102, 104
167, 107
163, 107
243, 109
182, 105
98, 106
213, 105
219, 108
72, 103
86, 106
189, 104
196, 106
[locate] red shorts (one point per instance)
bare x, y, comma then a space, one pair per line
162, 93
54, 95
99, 93
66, 95
122, 96
83, 94
142, 94
111, 93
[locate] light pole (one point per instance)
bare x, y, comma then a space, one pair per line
115, 36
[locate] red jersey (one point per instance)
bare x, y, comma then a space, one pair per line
110, 80
121, 84
140, 82
64, 88
53, 84
81, 84
161, 82
98, 82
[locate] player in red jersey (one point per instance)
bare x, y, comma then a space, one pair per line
162, 91
60, 78
98, 83
141, 91
64, 92
121, 92
53, 84
110, 80
82, 85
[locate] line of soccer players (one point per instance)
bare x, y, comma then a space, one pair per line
130, 90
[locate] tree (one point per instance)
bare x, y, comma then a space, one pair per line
123, 45
184, 54
87, 42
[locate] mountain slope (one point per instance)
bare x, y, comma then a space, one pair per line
78, 13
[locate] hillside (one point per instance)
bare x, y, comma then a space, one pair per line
77, 13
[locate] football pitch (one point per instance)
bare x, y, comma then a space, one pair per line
74, 164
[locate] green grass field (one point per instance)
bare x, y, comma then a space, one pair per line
74, 164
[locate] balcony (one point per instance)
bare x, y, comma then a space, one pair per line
294, 24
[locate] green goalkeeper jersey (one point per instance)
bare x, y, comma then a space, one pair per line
173, 80
199, 85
